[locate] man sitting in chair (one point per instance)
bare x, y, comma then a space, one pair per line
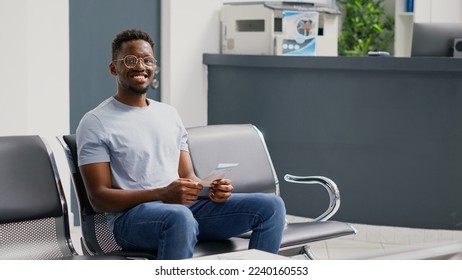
133, 157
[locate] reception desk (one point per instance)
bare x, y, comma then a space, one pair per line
387, 130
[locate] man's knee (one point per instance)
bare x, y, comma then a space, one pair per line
273, 202
180, 216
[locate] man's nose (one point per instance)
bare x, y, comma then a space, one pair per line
139, 63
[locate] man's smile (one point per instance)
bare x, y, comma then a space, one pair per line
139, 77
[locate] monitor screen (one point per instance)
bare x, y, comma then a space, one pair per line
435, 39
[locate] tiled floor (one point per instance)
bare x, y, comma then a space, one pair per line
384, 242
376, 242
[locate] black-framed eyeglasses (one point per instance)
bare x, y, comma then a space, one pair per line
131, 61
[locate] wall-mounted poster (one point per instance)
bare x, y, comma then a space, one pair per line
299, 32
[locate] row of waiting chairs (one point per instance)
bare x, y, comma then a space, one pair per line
34, 220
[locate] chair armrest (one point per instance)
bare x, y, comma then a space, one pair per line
328, 184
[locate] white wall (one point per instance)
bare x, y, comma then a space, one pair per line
189, 29
35, 67
14, 72
438, 11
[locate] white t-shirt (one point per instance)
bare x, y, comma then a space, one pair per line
142, 144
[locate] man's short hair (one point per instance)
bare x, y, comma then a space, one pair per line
129, 35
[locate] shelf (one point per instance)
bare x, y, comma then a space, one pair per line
403, 29
406, 14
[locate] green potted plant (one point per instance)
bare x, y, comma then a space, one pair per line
365, 27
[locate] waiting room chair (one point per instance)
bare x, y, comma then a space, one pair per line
244, 144
210, 145
98, 239
33, 211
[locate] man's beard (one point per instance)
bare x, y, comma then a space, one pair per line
139, 91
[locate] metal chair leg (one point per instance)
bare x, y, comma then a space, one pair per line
307, 253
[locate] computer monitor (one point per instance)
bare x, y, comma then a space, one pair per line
435, 39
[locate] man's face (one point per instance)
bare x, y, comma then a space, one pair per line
137, 79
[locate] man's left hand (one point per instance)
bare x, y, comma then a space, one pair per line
221, 190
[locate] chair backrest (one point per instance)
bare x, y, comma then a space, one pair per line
33, 211
97, 237
234, 143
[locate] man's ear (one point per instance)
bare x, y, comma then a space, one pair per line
112, 69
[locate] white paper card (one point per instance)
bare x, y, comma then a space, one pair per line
218, 173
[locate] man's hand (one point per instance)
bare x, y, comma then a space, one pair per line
221, 190
181, 191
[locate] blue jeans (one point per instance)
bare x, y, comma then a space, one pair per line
173, 230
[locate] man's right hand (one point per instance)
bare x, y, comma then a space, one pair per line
181, 191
